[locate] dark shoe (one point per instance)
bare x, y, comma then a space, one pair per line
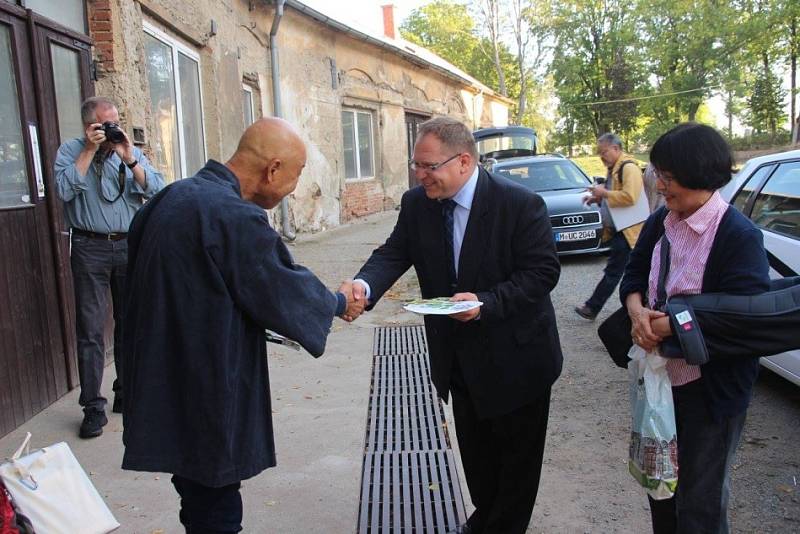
117, 406
461, 529
586, 312
93, 423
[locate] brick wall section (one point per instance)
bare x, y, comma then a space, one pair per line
100, 30
361, 198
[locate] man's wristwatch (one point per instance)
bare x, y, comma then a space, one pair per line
132, 164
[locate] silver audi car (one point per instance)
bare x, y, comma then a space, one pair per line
577, 228
511, 151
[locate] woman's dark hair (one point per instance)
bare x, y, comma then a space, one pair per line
696, 155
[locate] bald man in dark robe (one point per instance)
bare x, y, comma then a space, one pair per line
207, 275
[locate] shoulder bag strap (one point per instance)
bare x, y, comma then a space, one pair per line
622, 166
663, 272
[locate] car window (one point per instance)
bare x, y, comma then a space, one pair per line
545, 175
507, 142
744, 194
777, 206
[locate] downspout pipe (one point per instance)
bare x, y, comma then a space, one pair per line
277, 109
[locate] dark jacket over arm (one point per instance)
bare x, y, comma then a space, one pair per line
738, 326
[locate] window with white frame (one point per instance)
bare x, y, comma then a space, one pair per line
358, 143
173, 75
247, 105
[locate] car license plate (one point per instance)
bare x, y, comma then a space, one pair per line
578, 235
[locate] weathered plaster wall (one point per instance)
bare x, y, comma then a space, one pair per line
322, 71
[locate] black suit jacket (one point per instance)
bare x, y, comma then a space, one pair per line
511, 355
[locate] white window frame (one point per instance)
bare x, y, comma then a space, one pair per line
355, 112
249, 90
176, 47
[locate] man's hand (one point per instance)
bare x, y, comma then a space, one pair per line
94, 137
125, 149
468, 315
356, 300
596, 194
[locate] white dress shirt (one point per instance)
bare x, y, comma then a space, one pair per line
463, 199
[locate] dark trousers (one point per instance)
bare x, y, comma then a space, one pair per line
706, 449
98, 268
502, 459
612, 274
207, 510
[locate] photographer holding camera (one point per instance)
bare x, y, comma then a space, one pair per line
103, 180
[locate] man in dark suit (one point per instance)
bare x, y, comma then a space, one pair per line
473, 235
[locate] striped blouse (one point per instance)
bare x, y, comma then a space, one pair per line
690, 243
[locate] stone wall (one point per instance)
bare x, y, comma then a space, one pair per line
322, 72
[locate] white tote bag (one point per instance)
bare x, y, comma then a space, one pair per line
52, 490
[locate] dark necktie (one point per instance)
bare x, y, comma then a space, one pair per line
448, 206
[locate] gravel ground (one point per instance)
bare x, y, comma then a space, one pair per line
586, 486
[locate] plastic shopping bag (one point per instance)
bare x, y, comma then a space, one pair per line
653, 451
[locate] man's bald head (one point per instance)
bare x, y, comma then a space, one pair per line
269, 138
268, 161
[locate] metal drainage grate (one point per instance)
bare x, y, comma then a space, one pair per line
404, 412
409, 478
410, 492
400, 340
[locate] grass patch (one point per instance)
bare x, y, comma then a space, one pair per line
593, 166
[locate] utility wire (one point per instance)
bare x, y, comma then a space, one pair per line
643, 97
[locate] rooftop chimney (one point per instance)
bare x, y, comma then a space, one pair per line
389, 29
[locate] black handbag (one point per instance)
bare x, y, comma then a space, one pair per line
615, 331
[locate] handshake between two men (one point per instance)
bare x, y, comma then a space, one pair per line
356, 294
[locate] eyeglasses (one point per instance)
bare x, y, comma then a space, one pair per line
662, 175
430, 167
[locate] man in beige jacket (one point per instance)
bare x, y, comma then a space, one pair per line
623, 187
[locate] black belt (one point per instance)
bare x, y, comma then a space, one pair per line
115, 236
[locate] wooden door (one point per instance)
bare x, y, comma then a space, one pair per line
37, 360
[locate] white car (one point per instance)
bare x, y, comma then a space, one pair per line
767, 190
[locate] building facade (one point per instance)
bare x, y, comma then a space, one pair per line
188, 77
191, 74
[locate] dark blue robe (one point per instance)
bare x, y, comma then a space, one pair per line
206, 275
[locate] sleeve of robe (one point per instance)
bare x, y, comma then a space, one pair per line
266, 284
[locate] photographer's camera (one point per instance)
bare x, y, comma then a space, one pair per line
113, 132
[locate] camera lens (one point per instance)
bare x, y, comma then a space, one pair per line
113, 132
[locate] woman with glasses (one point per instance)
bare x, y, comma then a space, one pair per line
711, 248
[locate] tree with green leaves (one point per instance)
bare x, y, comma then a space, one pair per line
597, 64
489, 11
688, 43
445, 28
531, 28
765, 111
787, 22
